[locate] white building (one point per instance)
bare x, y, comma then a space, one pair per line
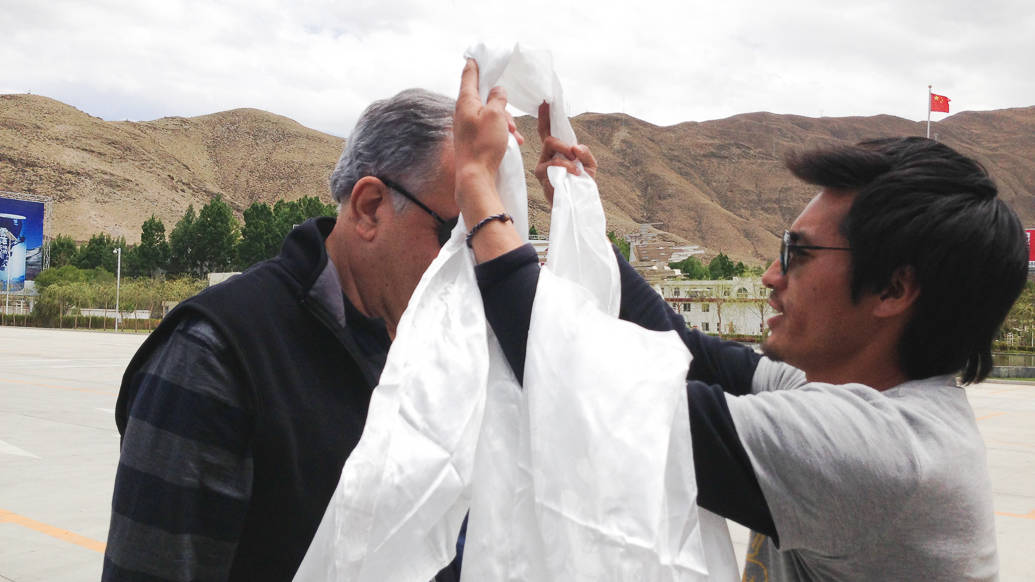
726, 307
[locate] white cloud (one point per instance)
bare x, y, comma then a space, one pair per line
320, 61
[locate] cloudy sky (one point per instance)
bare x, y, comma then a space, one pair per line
321, 61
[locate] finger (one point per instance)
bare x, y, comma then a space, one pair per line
513, 129
559, 160
584, 155
544, 120
553, 146
497, 99
469, 82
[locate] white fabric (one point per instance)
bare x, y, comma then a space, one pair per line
586, 474
397, 510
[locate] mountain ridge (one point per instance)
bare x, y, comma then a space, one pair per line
719, 184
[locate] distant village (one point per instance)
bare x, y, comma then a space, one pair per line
735, 307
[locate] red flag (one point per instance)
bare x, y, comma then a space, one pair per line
939, 102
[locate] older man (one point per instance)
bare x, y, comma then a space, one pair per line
238, 413
862, 462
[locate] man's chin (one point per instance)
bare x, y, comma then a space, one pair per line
771, 351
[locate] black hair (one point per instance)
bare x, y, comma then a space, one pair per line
919, 204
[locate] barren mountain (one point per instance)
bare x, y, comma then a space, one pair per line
110, 176
719, 184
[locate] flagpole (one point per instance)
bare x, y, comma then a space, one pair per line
928, 111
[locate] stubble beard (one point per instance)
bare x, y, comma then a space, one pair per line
770, 352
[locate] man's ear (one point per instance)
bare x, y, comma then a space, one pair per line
364, 202
900, 294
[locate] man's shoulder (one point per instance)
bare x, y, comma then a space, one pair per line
771, 375
243, 298
195, 328
190, 353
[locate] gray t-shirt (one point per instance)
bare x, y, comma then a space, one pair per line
867, 485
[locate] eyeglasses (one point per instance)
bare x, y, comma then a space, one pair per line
787, 246
445, 227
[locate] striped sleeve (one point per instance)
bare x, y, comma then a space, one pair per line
184, 478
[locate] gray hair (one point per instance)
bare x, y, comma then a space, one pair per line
398, 138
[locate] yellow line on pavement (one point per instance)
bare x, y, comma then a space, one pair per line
61, 534
1030, 515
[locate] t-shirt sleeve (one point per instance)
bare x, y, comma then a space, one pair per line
729, 364
771, 376
507, 284
184, 477
826, 458
725, 363
726, 482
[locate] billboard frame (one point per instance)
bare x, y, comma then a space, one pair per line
47, 219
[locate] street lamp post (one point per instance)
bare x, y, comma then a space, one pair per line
118, 281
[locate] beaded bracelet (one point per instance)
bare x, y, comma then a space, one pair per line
502, 217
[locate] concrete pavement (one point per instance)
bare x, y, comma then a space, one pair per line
59, 450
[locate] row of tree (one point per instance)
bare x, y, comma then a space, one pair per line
721, 267
67, 290
1018, 330
210, 240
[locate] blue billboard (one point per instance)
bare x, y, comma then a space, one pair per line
21, 242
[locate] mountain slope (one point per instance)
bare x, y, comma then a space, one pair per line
718, 184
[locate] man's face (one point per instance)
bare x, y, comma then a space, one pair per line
412, 240
817, 328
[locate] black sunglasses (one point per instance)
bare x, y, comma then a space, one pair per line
787, 244
445, 227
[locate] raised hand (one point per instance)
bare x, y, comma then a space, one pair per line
557, 153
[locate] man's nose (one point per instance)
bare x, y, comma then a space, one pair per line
773, 276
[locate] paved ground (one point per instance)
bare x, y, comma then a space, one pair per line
59, 448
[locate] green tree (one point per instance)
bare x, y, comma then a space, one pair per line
1020, 321
72, 275
285, 216
259, 237
721, 267
62, 251
182, 243
56, 275
216, 233
99, 275
311, 207
620, 242
692, 268
131, 266
152, 254
288, 214
97, 252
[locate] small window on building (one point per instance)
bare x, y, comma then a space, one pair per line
706, 307
704, 326
688, 306
742, 292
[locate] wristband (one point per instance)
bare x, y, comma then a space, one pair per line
502, 217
